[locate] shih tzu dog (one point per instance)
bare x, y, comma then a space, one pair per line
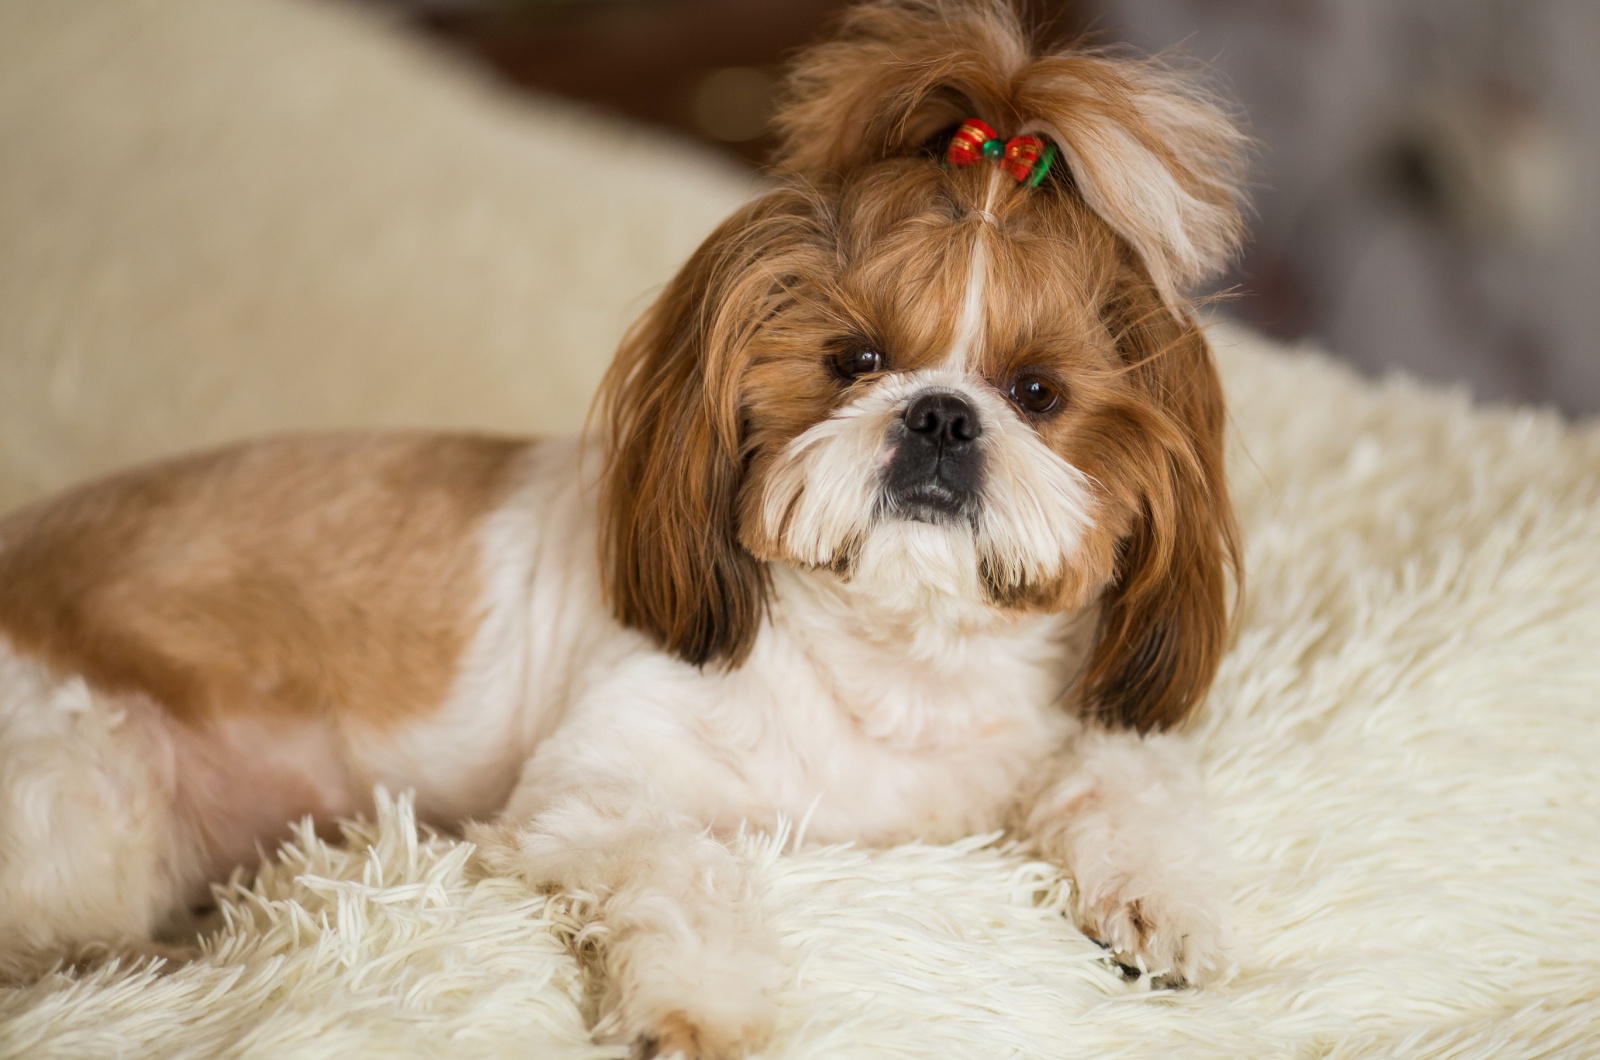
905, 515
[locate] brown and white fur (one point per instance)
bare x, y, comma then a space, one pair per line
834, 555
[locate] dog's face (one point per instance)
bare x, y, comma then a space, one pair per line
953, 391
925, 410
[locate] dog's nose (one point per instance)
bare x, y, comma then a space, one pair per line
943, 417
936, 471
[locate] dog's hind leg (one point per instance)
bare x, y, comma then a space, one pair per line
92, 854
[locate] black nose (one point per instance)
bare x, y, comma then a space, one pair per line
936, 471
943, 417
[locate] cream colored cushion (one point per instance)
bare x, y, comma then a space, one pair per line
218, 219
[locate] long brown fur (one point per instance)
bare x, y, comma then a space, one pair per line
1163, 625
860, 243
670, 552
901, 74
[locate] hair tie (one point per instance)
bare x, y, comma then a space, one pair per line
1025, 158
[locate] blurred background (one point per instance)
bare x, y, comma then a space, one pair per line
1423, 193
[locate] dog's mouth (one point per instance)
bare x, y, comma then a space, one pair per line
930, 501
933, 480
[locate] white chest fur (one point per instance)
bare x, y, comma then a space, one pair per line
870, 722
832, 720
879, 736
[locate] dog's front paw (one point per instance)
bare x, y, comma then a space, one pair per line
712, 1001
1178, 937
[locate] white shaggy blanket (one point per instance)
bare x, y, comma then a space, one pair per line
1402, 750
1402, 747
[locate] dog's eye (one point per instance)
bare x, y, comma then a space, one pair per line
857, 361
1035, 395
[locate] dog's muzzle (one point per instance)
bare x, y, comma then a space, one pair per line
937, 468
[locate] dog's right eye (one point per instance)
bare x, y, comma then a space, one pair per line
857, 361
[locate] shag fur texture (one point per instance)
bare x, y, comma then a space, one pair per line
1401, 749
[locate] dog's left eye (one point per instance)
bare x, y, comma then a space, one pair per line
1035, 395
857, 361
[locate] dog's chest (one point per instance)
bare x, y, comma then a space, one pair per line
885, 754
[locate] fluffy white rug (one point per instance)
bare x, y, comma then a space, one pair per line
1403, 747
1403, 751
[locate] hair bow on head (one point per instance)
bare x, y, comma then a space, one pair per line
1026, 158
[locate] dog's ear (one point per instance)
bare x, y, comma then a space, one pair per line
1146, 149
1164, 619
669, 415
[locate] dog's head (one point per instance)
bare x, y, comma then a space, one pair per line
936, 382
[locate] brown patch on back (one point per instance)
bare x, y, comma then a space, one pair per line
305, 575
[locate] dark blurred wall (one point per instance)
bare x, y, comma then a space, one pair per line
704, 68
1425, 188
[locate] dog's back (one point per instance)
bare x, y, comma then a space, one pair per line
196, 652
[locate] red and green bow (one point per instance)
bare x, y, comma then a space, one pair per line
1025, 158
